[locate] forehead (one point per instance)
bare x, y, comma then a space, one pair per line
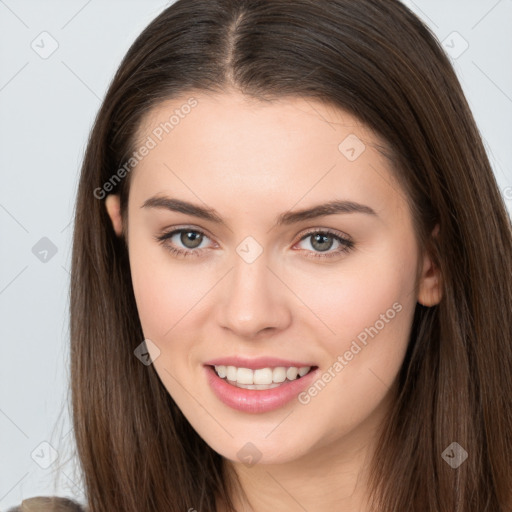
288, 147
214, 116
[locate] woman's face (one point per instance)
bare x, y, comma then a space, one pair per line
264, 282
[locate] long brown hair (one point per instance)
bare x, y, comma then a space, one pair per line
378, 61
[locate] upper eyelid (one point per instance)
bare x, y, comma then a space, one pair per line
173, 231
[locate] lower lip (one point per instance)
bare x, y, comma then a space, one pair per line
257, 401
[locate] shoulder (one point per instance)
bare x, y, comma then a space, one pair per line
48, 504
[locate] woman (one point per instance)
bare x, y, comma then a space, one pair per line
291, 276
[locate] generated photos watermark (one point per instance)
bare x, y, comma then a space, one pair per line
342, 361
151, 142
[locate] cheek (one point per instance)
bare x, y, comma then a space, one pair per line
370, 291
369, 310
165, 291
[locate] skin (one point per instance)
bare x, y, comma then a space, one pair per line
252, 161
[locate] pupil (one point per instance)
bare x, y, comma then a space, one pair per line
191, 236
324, 237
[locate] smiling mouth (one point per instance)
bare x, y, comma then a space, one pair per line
262, 378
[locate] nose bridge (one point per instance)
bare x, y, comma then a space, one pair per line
250, 277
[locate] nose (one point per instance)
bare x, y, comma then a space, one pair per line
254, 300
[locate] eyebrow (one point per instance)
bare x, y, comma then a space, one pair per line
286, 218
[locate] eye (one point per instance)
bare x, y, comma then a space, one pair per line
322, 240
190, 238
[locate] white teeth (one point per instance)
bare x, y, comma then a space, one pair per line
221, 371
279, 374
303, 370
262, 378
231, 372
244, 376
291, 373
255, 386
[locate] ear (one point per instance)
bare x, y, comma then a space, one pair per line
430, 286
113, 205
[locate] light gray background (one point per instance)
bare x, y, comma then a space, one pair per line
47, 106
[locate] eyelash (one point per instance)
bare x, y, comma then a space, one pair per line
346, 244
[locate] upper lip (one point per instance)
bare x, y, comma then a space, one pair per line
255, 363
